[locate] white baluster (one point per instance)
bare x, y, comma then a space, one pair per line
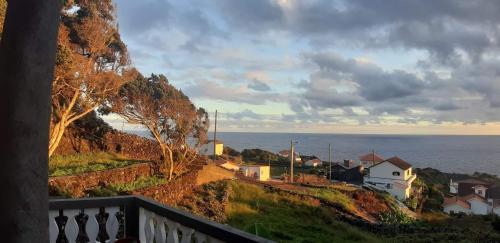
186, 234
142, 222
160, 233
172, 236
71, 229
92, 226
112, 224
148, 227
53, 228
200, 237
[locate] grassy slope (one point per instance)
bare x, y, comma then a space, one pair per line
80, 163
287, 218
125, 188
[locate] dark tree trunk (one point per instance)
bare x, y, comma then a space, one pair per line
27, 55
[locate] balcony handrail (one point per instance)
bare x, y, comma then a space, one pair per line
132, 204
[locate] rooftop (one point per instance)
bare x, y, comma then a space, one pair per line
372, 157
399, 163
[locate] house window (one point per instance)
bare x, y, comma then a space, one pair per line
396, 173
389, 186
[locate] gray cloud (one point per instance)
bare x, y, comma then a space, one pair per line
259, 85
455, 80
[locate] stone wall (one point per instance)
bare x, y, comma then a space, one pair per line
173, 192
114, 141
76, 185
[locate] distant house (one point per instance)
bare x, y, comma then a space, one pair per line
473, 197
258, 172
393, 175
208, 148
348, 171
370, 159
313, 162
286, 154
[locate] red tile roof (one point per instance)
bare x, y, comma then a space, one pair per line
371, 157
399, 163
455, 200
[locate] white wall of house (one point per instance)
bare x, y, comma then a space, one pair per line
453, 187
397, 188
208, 149
390, 178
478, 207
387, 170
456, 209
480, 190
261, 173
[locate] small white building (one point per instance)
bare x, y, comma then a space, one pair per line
258, 172
208, 148
313, 162
393, 175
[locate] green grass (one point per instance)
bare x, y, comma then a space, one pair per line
333, 196
287, 218
125, 188
80, 163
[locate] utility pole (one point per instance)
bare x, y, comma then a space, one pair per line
215, 136
292, 153
373, 156
330, 159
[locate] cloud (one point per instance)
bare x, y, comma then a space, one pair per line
305, 55
238, 94
259, 85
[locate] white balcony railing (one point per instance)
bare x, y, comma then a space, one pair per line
134, 219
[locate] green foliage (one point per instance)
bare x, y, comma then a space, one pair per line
287, 218
395, 217
496, 224
79, 163
411, 203
125, 188
230, 151
259, 155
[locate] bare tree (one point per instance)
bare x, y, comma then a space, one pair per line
168, 114
91, 63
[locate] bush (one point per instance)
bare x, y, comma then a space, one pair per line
396, 217
496, 224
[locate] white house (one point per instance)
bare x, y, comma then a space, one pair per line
208, 148
393, 175
473, 197
471, 204
313, 162
259, 172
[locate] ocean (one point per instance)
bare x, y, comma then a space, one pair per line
460, 154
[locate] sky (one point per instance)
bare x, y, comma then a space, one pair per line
332, 66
